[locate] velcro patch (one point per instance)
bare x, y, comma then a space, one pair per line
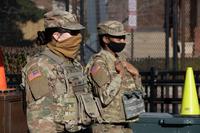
95, 69
34, 74
38, 82
100, 75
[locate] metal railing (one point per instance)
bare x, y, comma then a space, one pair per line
163, 89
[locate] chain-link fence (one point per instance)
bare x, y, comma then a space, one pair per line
166, 37
165, 40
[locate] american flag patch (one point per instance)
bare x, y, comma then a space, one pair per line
34, 74
95, 69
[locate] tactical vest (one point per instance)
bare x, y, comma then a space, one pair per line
114, 112
81, 106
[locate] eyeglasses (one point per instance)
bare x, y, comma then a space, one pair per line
72, 32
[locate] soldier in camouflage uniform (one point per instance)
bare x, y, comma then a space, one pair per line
51, 77
111, 76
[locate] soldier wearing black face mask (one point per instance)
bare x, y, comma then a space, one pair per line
112, 76
116, 43
112, 36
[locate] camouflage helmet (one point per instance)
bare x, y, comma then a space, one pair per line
60, 18
114, 28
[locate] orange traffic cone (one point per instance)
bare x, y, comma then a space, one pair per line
190, 103
3, 83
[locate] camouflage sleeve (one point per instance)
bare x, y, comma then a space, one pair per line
26, 87
138, 83
35, 82
107, 83
39, 106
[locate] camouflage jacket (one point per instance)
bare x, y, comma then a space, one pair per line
108, 85
50, 90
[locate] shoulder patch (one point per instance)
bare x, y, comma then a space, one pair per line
34, 74
99, 75
37, 81
95, 69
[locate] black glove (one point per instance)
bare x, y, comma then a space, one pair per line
41, 38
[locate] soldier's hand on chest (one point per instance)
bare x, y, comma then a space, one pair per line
119, 68
131, 69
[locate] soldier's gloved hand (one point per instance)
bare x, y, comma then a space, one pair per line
119, 68
41, 38
131, 69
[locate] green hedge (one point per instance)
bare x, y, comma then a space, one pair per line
15, 59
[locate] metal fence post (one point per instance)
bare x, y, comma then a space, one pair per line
167, 32
67, 5
153, 90
175, 34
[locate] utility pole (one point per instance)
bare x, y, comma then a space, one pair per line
132, 22
74, 7
67, 5
82, 52
175, 34
167, 32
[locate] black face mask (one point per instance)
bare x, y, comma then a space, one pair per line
116, 47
